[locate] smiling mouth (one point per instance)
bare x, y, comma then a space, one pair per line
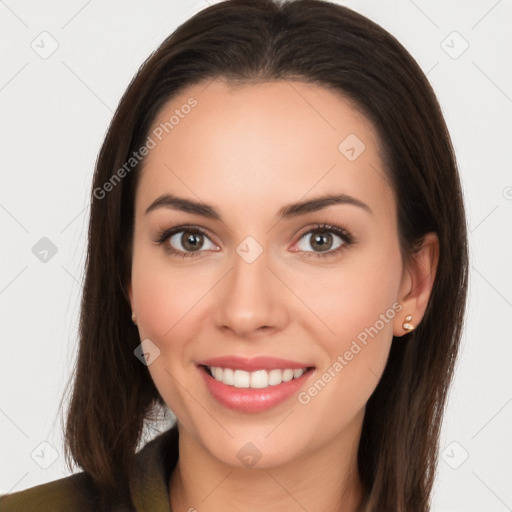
258, 379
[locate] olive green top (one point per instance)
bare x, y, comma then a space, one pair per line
149, 486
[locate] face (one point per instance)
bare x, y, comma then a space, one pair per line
252, 285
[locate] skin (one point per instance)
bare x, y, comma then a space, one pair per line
248, 150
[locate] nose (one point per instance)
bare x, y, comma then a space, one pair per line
251, 300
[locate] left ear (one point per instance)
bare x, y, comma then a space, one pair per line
417, 282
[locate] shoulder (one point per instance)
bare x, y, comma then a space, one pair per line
69, 494
76, 493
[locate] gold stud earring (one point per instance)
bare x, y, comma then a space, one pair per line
134, 318
407, 326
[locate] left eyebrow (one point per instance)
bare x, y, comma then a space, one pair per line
286, 212
319, 203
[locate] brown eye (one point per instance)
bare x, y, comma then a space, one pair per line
190, 241
182, 241
321, 241
325, 240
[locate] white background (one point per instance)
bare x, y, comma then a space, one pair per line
54, 114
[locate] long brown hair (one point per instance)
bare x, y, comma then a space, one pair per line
330, 45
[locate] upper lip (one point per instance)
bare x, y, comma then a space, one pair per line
252, 364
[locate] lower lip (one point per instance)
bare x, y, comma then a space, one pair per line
252, 399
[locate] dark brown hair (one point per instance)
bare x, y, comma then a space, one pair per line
317, 42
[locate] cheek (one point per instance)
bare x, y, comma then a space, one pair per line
360, 314
363, 299
166, 303
353, 296
161, 300
170, 303
159, 304
155, 303
165, 296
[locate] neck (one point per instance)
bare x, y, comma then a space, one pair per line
325, 479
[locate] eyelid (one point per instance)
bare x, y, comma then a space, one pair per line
165, 234
337, 230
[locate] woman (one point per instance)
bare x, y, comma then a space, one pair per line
277, 254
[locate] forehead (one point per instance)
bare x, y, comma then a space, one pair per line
268, 143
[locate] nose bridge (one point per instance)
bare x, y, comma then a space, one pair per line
249, 297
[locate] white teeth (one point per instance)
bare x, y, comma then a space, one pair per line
242, 379
287, 375
228, 376
258, 379
275, 377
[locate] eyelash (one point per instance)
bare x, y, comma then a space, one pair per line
347, 238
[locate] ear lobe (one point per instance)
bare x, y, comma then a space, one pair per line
417, 284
